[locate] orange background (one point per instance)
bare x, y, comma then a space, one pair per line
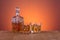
45, 12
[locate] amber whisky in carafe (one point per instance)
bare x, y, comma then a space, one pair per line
17, 22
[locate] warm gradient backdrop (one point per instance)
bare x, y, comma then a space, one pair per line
46, 12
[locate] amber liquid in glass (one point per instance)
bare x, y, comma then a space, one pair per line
17, 27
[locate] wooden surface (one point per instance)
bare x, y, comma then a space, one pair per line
55, 35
